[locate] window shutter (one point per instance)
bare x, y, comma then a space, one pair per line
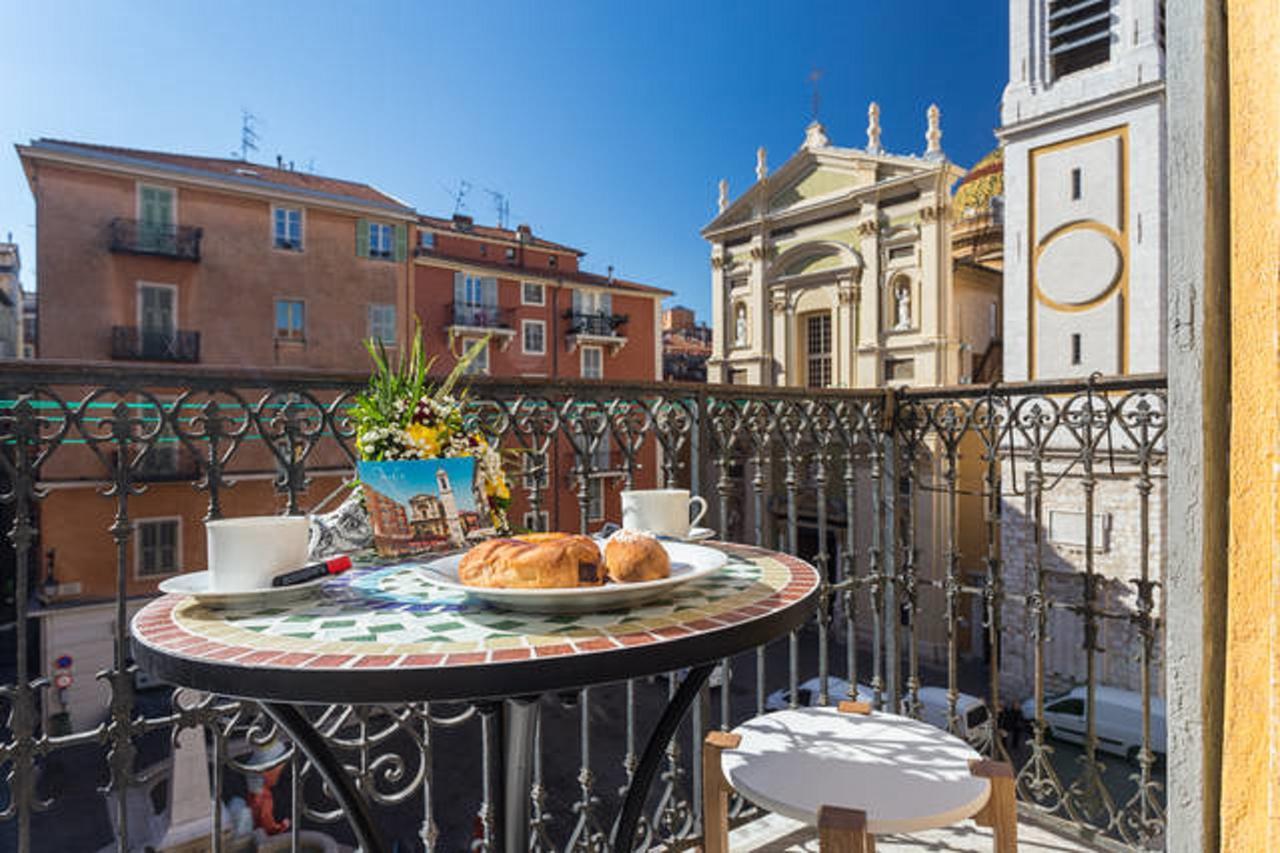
606, 303
489, 291
402, 241
459, 289
362, 238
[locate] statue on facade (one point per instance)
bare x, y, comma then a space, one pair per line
762, 167
873, 129
724, 194
933, 136
902, 299
740, 325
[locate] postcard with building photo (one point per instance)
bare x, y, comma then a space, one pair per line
423, 505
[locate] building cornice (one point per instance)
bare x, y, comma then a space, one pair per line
553, 278
1146, 91
185, 175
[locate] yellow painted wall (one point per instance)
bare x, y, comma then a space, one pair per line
1251, 745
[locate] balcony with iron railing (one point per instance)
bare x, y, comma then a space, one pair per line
945, 525
132, 343
181, 242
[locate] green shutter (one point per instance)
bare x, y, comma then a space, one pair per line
362, 238
402, 242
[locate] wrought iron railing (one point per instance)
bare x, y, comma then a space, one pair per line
1002, 541
134, 343
148, 238
480, 316
606, 325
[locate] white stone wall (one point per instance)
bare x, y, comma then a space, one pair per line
1116, 564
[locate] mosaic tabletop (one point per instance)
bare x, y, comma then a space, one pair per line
380, 619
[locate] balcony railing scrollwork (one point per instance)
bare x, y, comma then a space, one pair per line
140, 344
145, 238
1002, 541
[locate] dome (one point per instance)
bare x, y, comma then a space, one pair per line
980, 185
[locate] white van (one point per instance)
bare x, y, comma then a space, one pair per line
1117, 719
975, 718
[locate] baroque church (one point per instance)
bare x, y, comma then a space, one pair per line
837, 271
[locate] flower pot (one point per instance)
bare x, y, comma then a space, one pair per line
423, 505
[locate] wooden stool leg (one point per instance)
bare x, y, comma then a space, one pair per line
715, 792
1001, 811
844, 831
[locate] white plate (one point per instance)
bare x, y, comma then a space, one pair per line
688, 562
196, 585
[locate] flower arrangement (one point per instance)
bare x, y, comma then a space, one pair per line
403, 415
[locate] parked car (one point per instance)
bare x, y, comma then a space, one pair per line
974, 717
1117, 719
808, 693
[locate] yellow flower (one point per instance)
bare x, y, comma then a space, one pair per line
426, 439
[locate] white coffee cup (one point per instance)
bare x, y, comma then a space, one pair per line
662, 512
246, 553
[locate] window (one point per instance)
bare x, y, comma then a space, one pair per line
533, 336
484, 250
1075, 184
551, 261
534, 468
899, 252
739, 324
475, 301
480, 365
382, 323
592, 302
1072, 707
291, 319
601, 462
532, 293
592, 363
156, 218
818, 350
536, 522
288, 228
380, 240
426, 240
511, 254
157, 319
473, 290
157, 547
899, 369
1075, 348
1079, 34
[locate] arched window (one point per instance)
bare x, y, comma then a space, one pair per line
739, 324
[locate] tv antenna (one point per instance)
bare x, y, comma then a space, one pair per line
248, 134
503, 205
459, 196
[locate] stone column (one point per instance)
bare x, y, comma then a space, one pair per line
869, 307
721, 321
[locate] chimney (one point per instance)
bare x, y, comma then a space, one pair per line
462, 222
525, 232
290, 165
279, 162
611, 273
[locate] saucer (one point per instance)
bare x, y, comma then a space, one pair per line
698, 534
196, 585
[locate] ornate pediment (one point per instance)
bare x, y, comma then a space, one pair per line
812, 183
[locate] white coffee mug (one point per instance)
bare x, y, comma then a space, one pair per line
246, 553
662, 512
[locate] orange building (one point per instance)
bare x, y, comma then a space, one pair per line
544, 318
147, 258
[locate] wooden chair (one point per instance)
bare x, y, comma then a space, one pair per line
854, 774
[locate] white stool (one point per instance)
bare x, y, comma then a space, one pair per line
854, 774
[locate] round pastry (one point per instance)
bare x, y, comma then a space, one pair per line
566, 561
631, 556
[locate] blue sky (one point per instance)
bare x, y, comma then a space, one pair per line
606, 124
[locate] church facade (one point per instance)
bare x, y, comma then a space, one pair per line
836, 271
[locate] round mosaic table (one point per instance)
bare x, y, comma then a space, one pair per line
383, 634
